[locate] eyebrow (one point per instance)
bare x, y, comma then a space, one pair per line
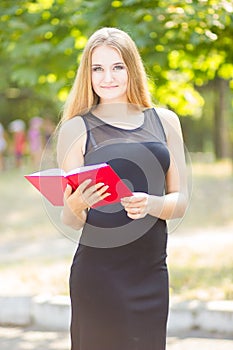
114, 64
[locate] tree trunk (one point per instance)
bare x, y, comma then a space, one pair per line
221, 136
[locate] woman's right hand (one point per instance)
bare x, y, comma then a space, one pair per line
84, 196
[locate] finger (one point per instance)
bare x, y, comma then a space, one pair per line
100, 185
100, 194
105, 195
134, 211
68, 191
134, 205
81, 188
132, 200
95, 187
133, 216
102, 190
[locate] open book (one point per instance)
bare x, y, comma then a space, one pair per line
52, 182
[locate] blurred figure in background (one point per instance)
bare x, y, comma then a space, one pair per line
2, 146
48, 159
35, 140
17, 127
48, 129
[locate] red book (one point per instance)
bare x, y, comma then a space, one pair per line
52, 182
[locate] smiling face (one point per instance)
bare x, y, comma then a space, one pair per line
109, 75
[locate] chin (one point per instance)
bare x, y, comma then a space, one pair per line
113, 98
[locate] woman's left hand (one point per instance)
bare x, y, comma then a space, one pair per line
136, 206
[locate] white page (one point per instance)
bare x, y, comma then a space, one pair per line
49, 172
86, 168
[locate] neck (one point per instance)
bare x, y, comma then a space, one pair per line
124, 115
115, 110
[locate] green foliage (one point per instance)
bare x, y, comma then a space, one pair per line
39, 48
184, 45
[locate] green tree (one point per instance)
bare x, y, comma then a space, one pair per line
40, 47
185, 45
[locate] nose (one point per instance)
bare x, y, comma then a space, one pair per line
108, 77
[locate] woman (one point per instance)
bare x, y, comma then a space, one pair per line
119, 279
35, 140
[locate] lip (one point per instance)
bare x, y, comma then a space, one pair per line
109, 87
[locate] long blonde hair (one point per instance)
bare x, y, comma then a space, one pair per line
82, 98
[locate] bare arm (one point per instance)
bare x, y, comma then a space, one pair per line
70, 151
173, 204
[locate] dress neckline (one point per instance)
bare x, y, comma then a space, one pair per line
119, 128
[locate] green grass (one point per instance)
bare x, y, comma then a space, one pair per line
200, 260
201, 263
203, 283
211, 203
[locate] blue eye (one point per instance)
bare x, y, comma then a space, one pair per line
119, 67
97, 69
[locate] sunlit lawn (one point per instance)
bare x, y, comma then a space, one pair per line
36, 256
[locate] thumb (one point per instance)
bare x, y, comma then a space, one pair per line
68, 191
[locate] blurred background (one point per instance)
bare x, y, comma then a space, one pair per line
187, 49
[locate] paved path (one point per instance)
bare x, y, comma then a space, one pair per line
29, 338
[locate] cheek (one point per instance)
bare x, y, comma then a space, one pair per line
95, 81
125, 78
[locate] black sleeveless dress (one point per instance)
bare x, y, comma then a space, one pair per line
119, 278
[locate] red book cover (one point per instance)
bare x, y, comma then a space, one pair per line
52, 182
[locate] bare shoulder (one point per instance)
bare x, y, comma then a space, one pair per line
71, 136
73, 126
170, 120
167, 116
